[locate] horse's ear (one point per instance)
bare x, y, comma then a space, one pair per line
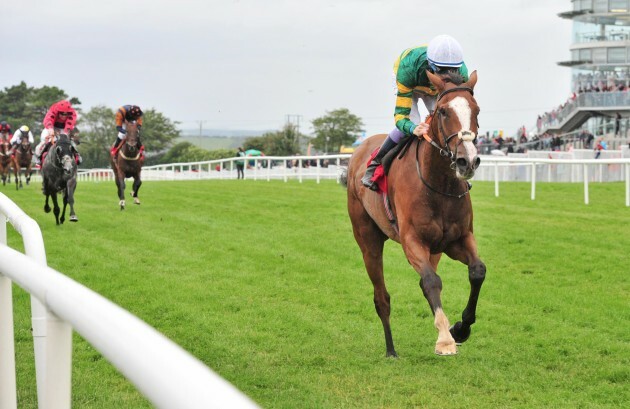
472, 80
436, 81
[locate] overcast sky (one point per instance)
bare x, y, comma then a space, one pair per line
247, 64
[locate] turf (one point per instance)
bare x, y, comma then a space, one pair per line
263, 282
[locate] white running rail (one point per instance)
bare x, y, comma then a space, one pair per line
167, 375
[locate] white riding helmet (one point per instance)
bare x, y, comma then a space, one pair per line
445, 51
24, 129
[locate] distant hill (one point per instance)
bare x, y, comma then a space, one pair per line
212, 139
211, 143
223, 132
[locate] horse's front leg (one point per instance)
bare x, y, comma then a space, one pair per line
136, 186
69, 199
120, 185
46, 205
466, 252
425, 264
56, 209
28, 175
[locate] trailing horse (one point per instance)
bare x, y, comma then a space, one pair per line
22, 159
128, 163
5, 161
59, 172
427, 209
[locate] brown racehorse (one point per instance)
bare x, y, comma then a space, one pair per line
22, 158
5, 160
128, 164
430, 203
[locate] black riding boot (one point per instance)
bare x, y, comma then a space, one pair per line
369, 172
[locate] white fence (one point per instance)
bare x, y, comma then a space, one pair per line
166, 374
533, 167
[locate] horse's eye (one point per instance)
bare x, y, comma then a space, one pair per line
443, 111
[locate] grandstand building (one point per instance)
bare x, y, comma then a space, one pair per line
600, 61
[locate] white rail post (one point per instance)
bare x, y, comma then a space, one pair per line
8, 388
627, 184
496, 179
268, 170
533, 181
300, 170
585, 167
52, 340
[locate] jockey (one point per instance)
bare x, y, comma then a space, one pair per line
127, 113
24, 131
60, 116
5, 130
443, 56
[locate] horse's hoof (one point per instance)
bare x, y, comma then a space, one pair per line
74, 218
446, 351
391, 354
460, 334
445, 348
136, 200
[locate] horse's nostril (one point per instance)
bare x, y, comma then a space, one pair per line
477, 162
461, 162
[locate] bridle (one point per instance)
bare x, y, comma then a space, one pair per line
445, 151
57, 161
466, 135
134, 144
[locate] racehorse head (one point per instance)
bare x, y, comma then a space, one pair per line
454, 123
25, 145
131, 138
62, 154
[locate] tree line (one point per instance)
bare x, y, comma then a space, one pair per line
24, 105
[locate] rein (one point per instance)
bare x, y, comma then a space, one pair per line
445, 151
459, 196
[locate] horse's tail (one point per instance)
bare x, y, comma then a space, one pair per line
343, 177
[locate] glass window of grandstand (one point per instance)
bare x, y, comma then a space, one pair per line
617, 55
600, 56
585, 54
583, 5
618, 6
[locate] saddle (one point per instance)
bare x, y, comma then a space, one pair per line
381, 171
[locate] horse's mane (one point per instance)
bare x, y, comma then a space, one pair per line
452, 76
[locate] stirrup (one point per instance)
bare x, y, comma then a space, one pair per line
368, 182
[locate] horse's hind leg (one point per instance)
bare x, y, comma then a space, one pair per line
466, 252
371, 240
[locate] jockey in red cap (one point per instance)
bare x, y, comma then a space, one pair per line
60, 116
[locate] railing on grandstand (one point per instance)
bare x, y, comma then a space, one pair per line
588, 100
166, 374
